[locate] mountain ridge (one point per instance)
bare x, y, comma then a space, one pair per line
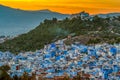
42, 10
15, 21
47, 10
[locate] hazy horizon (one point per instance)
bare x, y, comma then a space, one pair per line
56, 11
67, 6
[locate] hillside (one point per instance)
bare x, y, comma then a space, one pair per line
14, 21
109, 15
99, 30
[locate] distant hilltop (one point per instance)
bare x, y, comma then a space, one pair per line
84, 15
15, 21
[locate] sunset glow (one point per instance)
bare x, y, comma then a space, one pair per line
66, 6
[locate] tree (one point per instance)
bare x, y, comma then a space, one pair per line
54, 20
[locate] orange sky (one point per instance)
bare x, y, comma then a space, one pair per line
66, 6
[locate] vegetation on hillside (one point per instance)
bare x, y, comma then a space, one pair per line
98, 30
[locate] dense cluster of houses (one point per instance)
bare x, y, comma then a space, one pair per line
101, 61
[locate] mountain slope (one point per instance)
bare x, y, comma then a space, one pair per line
15, 21
99, 30
109, 15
